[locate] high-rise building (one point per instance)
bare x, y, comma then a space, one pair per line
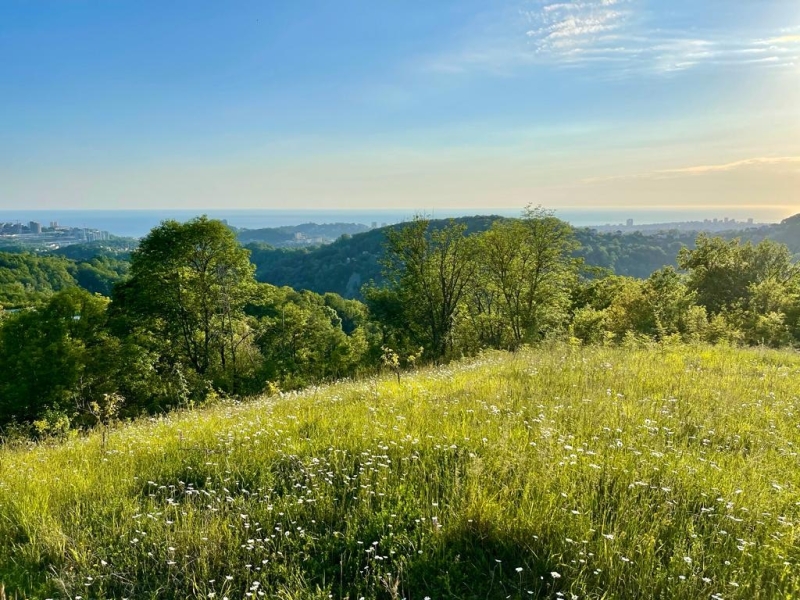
35, 227
629, 222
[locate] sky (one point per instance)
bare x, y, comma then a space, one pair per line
593, 104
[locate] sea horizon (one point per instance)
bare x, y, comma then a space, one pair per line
138, 222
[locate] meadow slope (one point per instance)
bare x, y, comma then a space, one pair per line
667, 472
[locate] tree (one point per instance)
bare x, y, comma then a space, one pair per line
53, 357
189, 284
752, 289
722, 272
301, 337
527, 263
430, 273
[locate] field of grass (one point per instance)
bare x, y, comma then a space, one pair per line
555, 473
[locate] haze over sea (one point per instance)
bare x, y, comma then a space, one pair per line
137, 223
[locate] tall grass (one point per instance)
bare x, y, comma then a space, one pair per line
667, 472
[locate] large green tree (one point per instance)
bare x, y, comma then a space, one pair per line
189, 285
429, 271
528, 269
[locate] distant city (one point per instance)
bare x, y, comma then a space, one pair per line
53, 235
710, 225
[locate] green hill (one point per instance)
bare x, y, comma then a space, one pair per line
346, 264
786, 232
353, 260
665, 472
307, 234
341, 267
28, 278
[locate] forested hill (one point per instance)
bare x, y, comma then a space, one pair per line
293, 236
345, 265
27, 278
786, 232
341, 267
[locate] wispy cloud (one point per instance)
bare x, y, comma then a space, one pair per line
731, 166
619, 34
747, 163
560, 27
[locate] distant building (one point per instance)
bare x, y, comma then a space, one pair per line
629, 223
35, 227
750, 221
374, 224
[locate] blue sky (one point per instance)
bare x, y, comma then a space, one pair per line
421, 105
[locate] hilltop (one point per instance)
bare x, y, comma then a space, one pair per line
663, 471
306, 234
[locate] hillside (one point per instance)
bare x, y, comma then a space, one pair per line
664, 472
316, 263
351, 261
27, 278
307, 234
786, 232
341, 267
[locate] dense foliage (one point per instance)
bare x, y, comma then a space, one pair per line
659, 472
350, 262
342, 267
299, 235
188, 322
27, 279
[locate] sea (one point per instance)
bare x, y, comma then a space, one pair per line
137, 223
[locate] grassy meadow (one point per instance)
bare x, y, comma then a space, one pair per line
560, 472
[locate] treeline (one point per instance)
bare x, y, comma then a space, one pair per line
190, 322
344, 266
520, 282
28, 279
351, 261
